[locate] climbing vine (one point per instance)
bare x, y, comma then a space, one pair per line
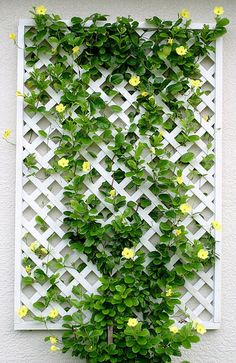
133, 316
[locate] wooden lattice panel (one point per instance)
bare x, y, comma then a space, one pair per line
43, 195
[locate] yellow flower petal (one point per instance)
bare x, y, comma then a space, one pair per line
134, 81
41, 10
132, 322
12, 36
60, 108
218, 10
22, 311
6, 134
53, 313
128, 253
86, 166
63, 162
185, 14
185, 208
174, 329
181, 50
53, 340
216, 225
202, 254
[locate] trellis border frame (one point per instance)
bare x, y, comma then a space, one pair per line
34, 325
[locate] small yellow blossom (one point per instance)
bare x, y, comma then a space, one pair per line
19, 94
28, 269
200, 329
177, 232
86, 166
181, 50
161, 133
54, 348
6, 134
22, 311
44, 250
169, 292
219, 10
132, 322
128, 253
12, 36
185, 208
195, 83
63, 162
53, 313
170, 41
179, 179
202, 254
60, 108
174, 329
153, 150
41, 10
75, 50
185, 14
144, 94
134, 80
216, 225
34, 245
112, 193
53, 340
205, 117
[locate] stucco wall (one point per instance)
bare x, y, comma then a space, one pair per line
28, 347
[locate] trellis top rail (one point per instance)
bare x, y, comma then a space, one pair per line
142, 24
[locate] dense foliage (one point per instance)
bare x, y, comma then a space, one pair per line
133, 312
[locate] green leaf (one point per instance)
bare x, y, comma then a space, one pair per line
27, 280
116, 108
186, 158
116, 78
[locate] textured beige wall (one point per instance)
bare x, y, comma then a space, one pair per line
28, 347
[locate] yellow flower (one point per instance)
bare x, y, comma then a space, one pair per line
112, 193
22, 311
44, 250
19, 94
41, 10
144, 94
205, 117
127, 253
63, 162
153, 150
174, 329
134, 80
53, 340
6, 134
200, 329
53, 348
28, 269
185, 14
12, 36
195, 83
179, 179
216, 225
185, 208
86, 166
60, 108
132, 322
181, 50
75, 50
170, 41
219, 10
53, 313
169, 292
34, 245
161, 132
202, 254
177, 232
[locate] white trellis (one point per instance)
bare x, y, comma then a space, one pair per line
37, 195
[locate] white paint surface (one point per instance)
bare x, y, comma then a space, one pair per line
28, 347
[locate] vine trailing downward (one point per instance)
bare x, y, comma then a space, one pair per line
133, 315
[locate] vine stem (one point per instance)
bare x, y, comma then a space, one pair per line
110, 334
